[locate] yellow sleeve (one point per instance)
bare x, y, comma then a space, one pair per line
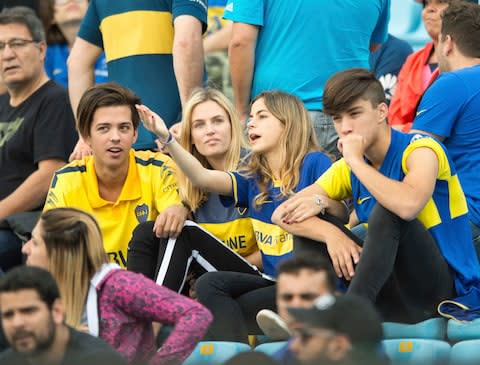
336, 181
457, 201
444, 170
166, 189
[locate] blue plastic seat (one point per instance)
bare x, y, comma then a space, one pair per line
465, 353
417, 351
434, 328
461, 331
271, 347
215, 352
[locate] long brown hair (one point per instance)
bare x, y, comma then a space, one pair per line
75, 249
298, 138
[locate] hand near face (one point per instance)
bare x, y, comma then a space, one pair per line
352, 147
152, 121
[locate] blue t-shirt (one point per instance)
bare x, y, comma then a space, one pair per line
451, 108
274, 243
137, 37
301, 44
56, 65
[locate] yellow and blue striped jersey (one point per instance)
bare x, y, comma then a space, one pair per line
231, 225
274, 243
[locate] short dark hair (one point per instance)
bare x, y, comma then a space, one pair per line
298, 263
346, 87
461, 20
28, 277
102, 95
25, 16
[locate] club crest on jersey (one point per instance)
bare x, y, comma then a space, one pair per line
141, 211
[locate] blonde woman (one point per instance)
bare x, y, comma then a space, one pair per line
284, 159
213, 134
113, 304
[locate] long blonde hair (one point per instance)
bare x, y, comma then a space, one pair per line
75, 250
298, 138
191, 194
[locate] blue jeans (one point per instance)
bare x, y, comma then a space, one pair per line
326, 135
10, 249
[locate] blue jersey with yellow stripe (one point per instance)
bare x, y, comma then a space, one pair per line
445, 215
231, 225
274, 243
137, 37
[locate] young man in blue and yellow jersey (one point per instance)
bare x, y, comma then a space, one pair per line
418, 252
119, 186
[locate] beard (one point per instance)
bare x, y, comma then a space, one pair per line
42, 341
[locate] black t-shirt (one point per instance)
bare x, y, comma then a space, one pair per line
42, 127
82, 349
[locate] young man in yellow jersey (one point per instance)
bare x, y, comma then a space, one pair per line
119, 186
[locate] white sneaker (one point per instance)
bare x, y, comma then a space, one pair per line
272, 325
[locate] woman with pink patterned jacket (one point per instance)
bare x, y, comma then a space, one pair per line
116, 305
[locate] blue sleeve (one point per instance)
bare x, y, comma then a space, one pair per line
314, 165
245, 11
380, 33
90, 26
390, 58
240, 186
195, 8
440, 105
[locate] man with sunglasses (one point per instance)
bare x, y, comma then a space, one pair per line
337, 330
37, 128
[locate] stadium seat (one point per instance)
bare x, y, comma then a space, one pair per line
271, 347
416, 351
434, 328
465, 353
461, 331
215, 352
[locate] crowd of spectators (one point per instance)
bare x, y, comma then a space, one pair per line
183, 170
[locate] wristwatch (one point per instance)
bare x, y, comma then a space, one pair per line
318, 200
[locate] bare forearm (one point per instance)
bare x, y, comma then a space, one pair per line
81, 65
314, 228
396, 196
188, 61
219, 40
241, 54
29, 195
210, 180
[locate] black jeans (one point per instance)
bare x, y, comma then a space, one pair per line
234, 300
168, 261
401, 269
